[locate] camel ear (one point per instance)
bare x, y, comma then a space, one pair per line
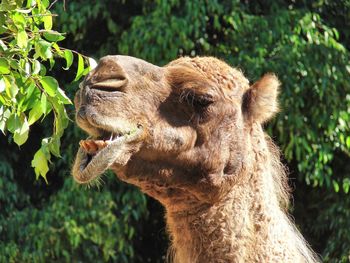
260, 100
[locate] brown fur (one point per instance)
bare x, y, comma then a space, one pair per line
202, 154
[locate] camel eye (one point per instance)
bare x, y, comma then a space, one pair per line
198, 101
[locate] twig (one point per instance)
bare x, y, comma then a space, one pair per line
54, 2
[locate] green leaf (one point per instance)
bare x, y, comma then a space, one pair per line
4, 115
13, 123
22, 39
11, 86
80, 69
21, 135
63, 97
35, 113
348, 142
50, 85
54, 146
3, 45
40, 164
60, 52
4, 66
44, 105
61, 118
47, 19
53, 36
43, 49
36, 67
2, 84
19, 20
68, 55
45, 3
335, 186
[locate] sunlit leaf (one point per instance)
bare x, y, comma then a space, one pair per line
22, 39
50, 85
2, 84
53, 36
80, 69
21, 135
47, 19
19, 21
68, 55
36, 67
40, 164
43, 49
63, 97
11, 86
54, 146
13, 123
35, 113
4, 115
4, 66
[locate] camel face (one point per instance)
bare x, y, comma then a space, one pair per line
178, 132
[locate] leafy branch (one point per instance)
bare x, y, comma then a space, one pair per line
28, 45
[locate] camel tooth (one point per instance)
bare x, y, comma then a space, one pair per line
110, 139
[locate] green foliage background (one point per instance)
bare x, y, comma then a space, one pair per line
306, 43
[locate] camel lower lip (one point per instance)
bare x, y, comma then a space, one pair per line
88, 167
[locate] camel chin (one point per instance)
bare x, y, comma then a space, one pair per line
97, 154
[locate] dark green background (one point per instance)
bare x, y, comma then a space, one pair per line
306, 43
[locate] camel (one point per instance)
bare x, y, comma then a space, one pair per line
190, 135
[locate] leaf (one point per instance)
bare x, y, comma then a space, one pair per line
43, 49
2, 84
40, 164
68, 55
335, 186
4, 66
13, 123
21, 135
11, 86
35, 113
63, 97
36, 67
50, 85
3, 45
60, 52
54, 146
44, 105
53, 36
61, 118
47, 19
22, 39
4, 115
80, 69
19, 20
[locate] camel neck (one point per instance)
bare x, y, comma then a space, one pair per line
247, 226
219, 233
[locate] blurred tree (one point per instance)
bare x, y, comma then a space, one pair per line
305, 42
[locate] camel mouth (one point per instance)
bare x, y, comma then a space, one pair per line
97, 154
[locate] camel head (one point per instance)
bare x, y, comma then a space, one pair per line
178, 132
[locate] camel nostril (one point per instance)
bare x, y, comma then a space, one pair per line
112, 84
108, 76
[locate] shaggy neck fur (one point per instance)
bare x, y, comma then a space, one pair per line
248, 225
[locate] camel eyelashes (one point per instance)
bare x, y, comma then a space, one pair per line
197, 101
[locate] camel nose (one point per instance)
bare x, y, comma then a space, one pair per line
107, 76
